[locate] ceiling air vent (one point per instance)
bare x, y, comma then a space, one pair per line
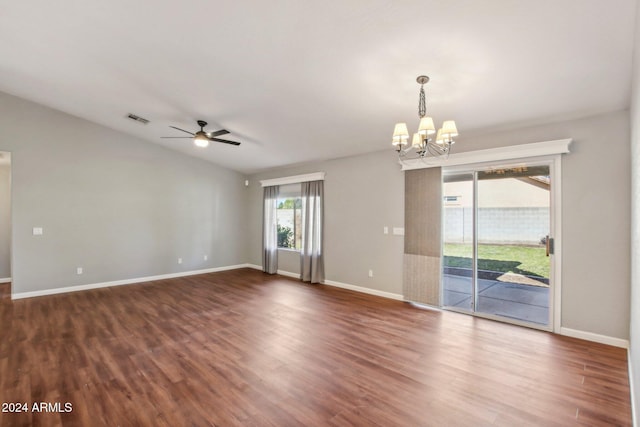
138, 118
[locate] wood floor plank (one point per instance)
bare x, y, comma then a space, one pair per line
242, 348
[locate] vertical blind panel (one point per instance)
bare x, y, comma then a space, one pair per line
423, 231
422, 211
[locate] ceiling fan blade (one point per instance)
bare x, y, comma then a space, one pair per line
225, 141
217, 133
190, 133
179, 137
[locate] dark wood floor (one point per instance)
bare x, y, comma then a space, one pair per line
243, 348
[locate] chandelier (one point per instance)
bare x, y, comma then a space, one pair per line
423, 141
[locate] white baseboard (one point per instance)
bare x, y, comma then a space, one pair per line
340, 285
364, 290
289, 274
590, 336
280, 272
54, 291
5, 280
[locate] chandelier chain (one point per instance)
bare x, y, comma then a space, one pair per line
422, 104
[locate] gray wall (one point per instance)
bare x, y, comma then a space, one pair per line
5, 221
364, 193
288, 261
117, 206
634, 336
596, 217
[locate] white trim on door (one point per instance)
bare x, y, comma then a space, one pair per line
513, 152
555, 171
556, 229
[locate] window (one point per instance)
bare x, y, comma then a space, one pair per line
289, 217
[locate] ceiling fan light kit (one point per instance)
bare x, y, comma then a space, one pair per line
201, 141
202, 138
422, 141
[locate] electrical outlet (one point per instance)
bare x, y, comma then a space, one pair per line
79, 270
179, 260
206, 257
370, 273
386, 230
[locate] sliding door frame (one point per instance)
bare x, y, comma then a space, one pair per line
555, 231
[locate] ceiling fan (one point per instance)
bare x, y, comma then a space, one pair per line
202, 138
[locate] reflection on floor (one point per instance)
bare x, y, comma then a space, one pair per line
512, 300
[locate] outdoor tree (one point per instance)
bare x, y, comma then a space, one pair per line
291, 204
285, 237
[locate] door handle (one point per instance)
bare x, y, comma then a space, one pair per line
546, 244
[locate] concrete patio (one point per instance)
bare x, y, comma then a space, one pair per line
502, 298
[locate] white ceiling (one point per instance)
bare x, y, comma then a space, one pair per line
297, 81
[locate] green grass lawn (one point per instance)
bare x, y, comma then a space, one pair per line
530, 261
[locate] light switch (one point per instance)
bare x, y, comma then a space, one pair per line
398, 231
37, 231
386, 230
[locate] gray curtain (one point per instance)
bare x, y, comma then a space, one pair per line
422, 237
270, 230
311, 254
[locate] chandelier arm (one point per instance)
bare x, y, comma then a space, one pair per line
403, 152
402, 158
436, 150
433, 151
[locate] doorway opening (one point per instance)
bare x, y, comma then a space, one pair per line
5, 224
498, 242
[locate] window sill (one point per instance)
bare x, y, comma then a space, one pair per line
289, 250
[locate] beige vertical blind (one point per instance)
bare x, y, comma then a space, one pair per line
422, 240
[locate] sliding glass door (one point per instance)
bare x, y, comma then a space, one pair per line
458, 242
497, 243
